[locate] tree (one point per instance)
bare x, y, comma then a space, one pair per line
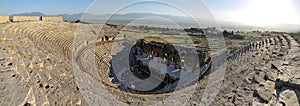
225, 33
77, 21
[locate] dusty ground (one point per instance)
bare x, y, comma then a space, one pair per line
266, 77
33, 73
36, 69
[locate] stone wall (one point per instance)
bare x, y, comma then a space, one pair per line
52, 18
25, 18
4, 19
166, 52
169, 54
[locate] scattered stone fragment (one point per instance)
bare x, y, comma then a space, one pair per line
286, 63
27, 104
47, 86
270, 75
289, 97
265, 92
9, 64
274, 67
41, 85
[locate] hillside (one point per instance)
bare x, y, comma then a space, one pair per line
42, 64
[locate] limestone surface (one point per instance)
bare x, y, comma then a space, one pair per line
47, 63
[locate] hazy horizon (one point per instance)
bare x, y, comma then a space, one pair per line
252, 12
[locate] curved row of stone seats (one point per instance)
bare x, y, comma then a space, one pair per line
288, 41
58, 37
44, 34
83, 36
34, 35
283, 40
294, 47
17, 30
39, 34
278, 43
9, 31
98, 56
103, 56
26, 31
38, 75
88, 59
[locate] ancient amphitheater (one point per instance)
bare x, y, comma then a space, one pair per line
45, 63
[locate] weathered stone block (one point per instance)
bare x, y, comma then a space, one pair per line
265, 93
25, 18
4, 19
52, 18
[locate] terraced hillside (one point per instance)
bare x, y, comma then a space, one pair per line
37, 71
35, 60
46, 63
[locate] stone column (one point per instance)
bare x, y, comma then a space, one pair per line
240, 52
255, 46
248, 47
251, 46
234, 55
267, 42
243, 50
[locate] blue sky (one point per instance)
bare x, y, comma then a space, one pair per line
221, 9
46, 6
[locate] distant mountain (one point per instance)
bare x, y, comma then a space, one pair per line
159, 20
29, 14
129, 16
123, 19
77, 16
148, 18
286, 27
